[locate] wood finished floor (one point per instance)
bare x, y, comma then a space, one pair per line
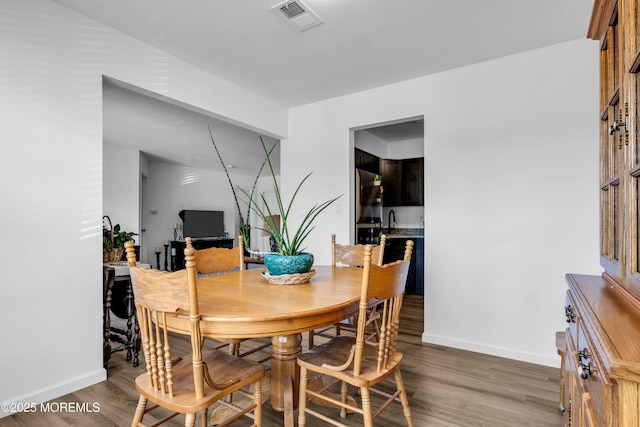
446, 387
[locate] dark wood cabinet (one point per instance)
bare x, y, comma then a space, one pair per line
403, 182
413, 182
392, 182
419, 261
394, 250
177, 249
367, 161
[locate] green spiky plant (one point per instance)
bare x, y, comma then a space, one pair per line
287, 242
244, 220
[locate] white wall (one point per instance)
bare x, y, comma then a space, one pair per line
370, 143
170, 189
397, 150
120, 187
51, 70
173, 188
406, 149
511, 189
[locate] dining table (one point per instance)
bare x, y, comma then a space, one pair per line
244, 304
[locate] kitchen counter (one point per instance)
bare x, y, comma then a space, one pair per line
404, 233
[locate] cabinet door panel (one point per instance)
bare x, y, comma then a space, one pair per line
367, 161
413, 178
392, 182
403, 182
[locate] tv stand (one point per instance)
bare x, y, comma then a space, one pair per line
177, 249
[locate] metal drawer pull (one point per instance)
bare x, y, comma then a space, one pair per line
570, 314
585, 370
584, 354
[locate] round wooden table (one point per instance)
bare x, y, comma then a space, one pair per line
244, 305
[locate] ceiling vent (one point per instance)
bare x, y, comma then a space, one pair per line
297, 14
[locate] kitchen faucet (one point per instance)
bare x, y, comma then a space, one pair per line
394, 221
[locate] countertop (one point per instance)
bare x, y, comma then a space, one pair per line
404, 233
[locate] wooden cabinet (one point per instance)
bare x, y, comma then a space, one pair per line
601, 361
392, 182
403, 182
367, 161
413, 182
615, 25
601, 374
177, 249
614, 100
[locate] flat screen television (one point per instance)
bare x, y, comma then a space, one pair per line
202, 224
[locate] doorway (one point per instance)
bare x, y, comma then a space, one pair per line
394, 152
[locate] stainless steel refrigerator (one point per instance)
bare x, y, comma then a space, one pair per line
369, 192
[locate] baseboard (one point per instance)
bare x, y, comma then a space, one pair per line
537, 359
54, 391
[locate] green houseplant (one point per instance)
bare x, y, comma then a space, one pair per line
288, 240
113, 239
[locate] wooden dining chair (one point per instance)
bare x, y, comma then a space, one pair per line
353, 256
186, 383
356, 361
220, 261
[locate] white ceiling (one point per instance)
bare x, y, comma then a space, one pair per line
170, 133
361, 44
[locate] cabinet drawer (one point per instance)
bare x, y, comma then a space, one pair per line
571, 315
594, 378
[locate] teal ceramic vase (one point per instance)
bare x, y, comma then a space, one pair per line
288, 264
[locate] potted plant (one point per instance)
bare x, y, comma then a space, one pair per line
290, 257
113, 239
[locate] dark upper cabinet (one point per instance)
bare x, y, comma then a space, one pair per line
367, 161
392, 182
403, 182
413, 182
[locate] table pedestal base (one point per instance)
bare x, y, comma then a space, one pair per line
284, 353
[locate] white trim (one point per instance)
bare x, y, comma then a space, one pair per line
507, 353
